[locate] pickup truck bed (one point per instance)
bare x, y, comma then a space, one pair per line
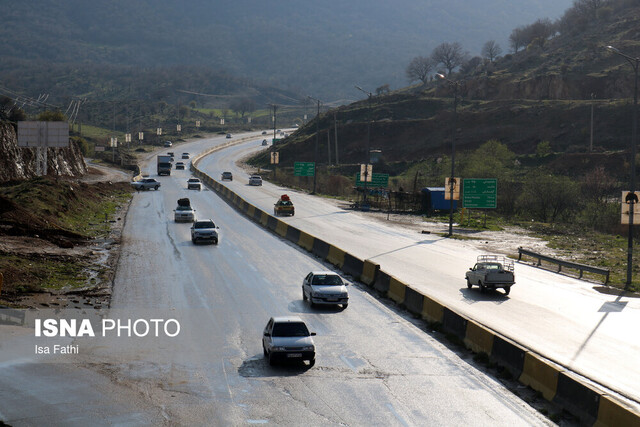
491, 272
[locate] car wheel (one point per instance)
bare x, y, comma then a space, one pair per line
345, 306
215, 241
193, 241
312, 362
272, 360
304, 296
469, 285
483, 288
156, 187
264, 351
507, 290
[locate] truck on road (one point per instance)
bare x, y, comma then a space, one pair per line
164, 164
491, 272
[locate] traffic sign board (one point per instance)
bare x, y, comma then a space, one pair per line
303, 168
378, 180
479, 193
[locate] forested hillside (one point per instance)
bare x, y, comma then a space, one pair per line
321, 48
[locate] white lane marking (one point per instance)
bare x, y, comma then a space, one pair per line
395, 414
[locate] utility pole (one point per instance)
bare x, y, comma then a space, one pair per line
368, 148
315, 151
335, 129
591, 133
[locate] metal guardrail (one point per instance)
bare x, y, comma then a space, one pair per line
580, 267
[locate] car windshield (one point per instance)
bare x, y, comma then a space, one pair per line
183, 208
194, 180
326, 279
290, 329
204, 224
285, 203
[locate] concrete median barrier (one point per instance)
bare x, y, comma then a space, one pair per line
541, 375
320, 248
478, 338
397, 290
509, 355
432, 310
281, 228
612, 412
353, 266
413, 301
306, 241
382, 283
370, 272
293, 234
454, 324
335, 256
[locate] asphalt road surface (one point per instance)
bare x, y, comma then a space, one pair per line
569, 321
373, 366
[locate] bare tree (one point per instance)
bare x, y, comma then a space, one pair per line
491, 50
588, 8
450, 55
419, 69
516, 39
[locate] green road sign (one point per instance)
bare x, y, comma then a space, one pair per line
303, 168
378, 180
480, 193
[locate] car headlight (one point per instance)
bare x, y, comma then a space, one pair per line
277, 349
308, 348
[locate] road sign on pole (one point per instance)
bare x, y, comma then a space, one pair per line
448, 183
303, 168
275, 157
378, 180
627, 199
480, 193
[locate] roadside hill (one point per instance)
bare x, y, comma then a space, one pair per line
543, 93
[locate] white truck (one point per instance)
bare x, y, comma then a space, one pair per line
164, 164
491, 272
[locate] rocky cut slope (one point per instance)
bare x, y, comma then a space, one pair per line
18, 163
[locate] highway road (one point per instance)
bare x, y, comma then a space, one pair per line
567, 320
374, 366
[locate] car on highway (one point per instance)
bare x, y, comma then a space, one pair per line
264, 132
184, 212
228, 135
227, 176
146, 184
491, 272
255, 180
264, 142
168, 143
284, 206
204, 230
325, 287
185, 155
179, 165
194, 183
287, 338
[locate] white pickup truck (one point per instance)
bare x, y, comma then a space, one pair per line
493, 272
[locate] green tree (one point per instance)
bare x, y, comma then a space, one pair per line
548, 197
492, 159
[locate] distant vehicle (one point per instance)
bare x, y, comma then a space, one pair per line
179, 165
255, 180
146, 184
493, 272
227, 176
264, 142
168, 143
325, 287
185, 155
288, 339
228, 135
194, 183
264, 132
164, 164
284, 206
184, 212
204, 230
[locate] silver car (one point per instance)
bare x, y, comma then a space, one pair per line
146, 184
287, 338
325, 287
255, 180
204, 230
184, 214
